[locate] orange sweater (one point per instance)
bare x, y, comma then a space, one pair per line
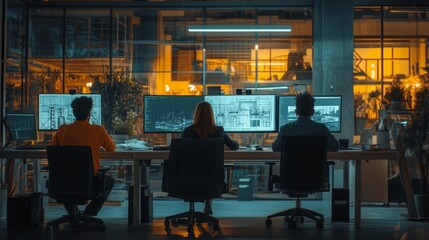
83, 133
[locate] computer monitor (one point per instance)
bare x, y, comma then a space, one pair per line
21, 126
55, 110
168, 114
244, 113
327, 110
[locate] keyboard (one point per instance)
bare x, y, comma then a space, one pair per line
31, 147
161, 148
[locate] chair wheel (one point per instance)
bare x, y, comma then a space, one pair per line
291, 224
319, 224
268, 222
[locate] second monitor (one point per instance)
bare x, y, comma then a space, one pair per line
244, 113
327, 110
168, 114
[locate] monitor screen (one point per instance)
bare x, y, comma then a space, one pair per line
327, 110
55, 110
21, 126
169, 114
244, 113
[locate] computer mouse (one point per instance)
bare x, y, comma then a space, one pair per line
259, 148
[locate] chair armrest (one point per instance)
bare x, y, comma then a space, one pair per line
103, 170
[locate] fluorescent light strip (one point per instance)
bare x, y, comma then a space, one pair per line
238, 28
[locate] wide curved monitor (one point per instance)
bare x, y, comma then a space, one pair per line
169, 114
55, 110
327, 110
244, 113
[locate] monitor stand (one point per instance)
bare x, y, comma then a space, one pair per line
169, 137
7, 143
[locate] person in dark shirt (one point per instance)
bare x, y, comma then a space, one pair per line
304, 126
204, 126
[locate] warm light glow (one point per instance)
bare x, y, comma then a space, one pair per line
192, 87
167, 88
256, 47
372, 71
238, 28
88, 84
268, 64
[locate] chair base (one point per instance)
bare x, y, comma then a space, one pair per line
294, 215
78, 220
190, 218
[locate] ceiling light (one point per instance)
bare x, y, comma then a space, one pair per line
238, 28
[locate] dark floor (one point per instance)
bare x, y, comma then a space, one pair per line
238, 220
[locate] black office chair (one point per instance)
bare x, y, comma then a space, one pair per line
303, 170
71, 176
194, 172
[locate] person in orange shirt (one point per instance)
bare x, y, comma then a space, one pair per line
82, 133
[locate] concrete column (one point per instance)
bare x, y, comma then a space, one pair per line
333, 56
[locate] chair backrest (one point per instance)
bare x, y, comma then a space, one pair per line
71, 173
194, 170
303, 164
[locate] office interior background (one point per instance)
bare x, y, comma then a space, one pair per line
335, 47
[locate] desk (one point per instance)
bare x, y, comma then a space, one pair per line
142, 158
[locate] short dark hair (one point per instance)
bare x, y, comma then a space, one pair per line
304, 104
82, 107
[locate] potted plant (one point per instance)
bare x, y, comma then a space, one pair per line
416, 143
122, 101
395, 95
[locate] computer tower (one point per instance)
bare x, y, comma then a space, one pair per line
340, 205
146, 208
25, 211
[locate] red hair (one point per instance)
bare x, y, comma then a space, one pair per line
204, 123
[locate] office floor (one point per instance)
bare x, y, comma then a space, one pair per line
238, 220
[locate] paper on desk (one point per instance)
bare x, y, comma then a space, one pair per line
133, 144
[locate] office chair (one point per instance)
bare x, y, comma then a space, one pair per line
194, 172
71, 176
303, 170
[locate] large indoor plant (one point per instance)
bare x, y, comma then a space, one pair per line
121, 99
416, 143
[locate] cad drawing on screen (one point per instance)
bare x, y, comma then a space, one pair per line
244, 113
55, 110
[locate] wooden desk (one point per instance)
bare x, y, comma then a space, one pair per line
141, 158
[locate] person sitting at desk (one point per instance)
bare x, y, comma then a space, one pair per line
204, 127
304, 126
82, 133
